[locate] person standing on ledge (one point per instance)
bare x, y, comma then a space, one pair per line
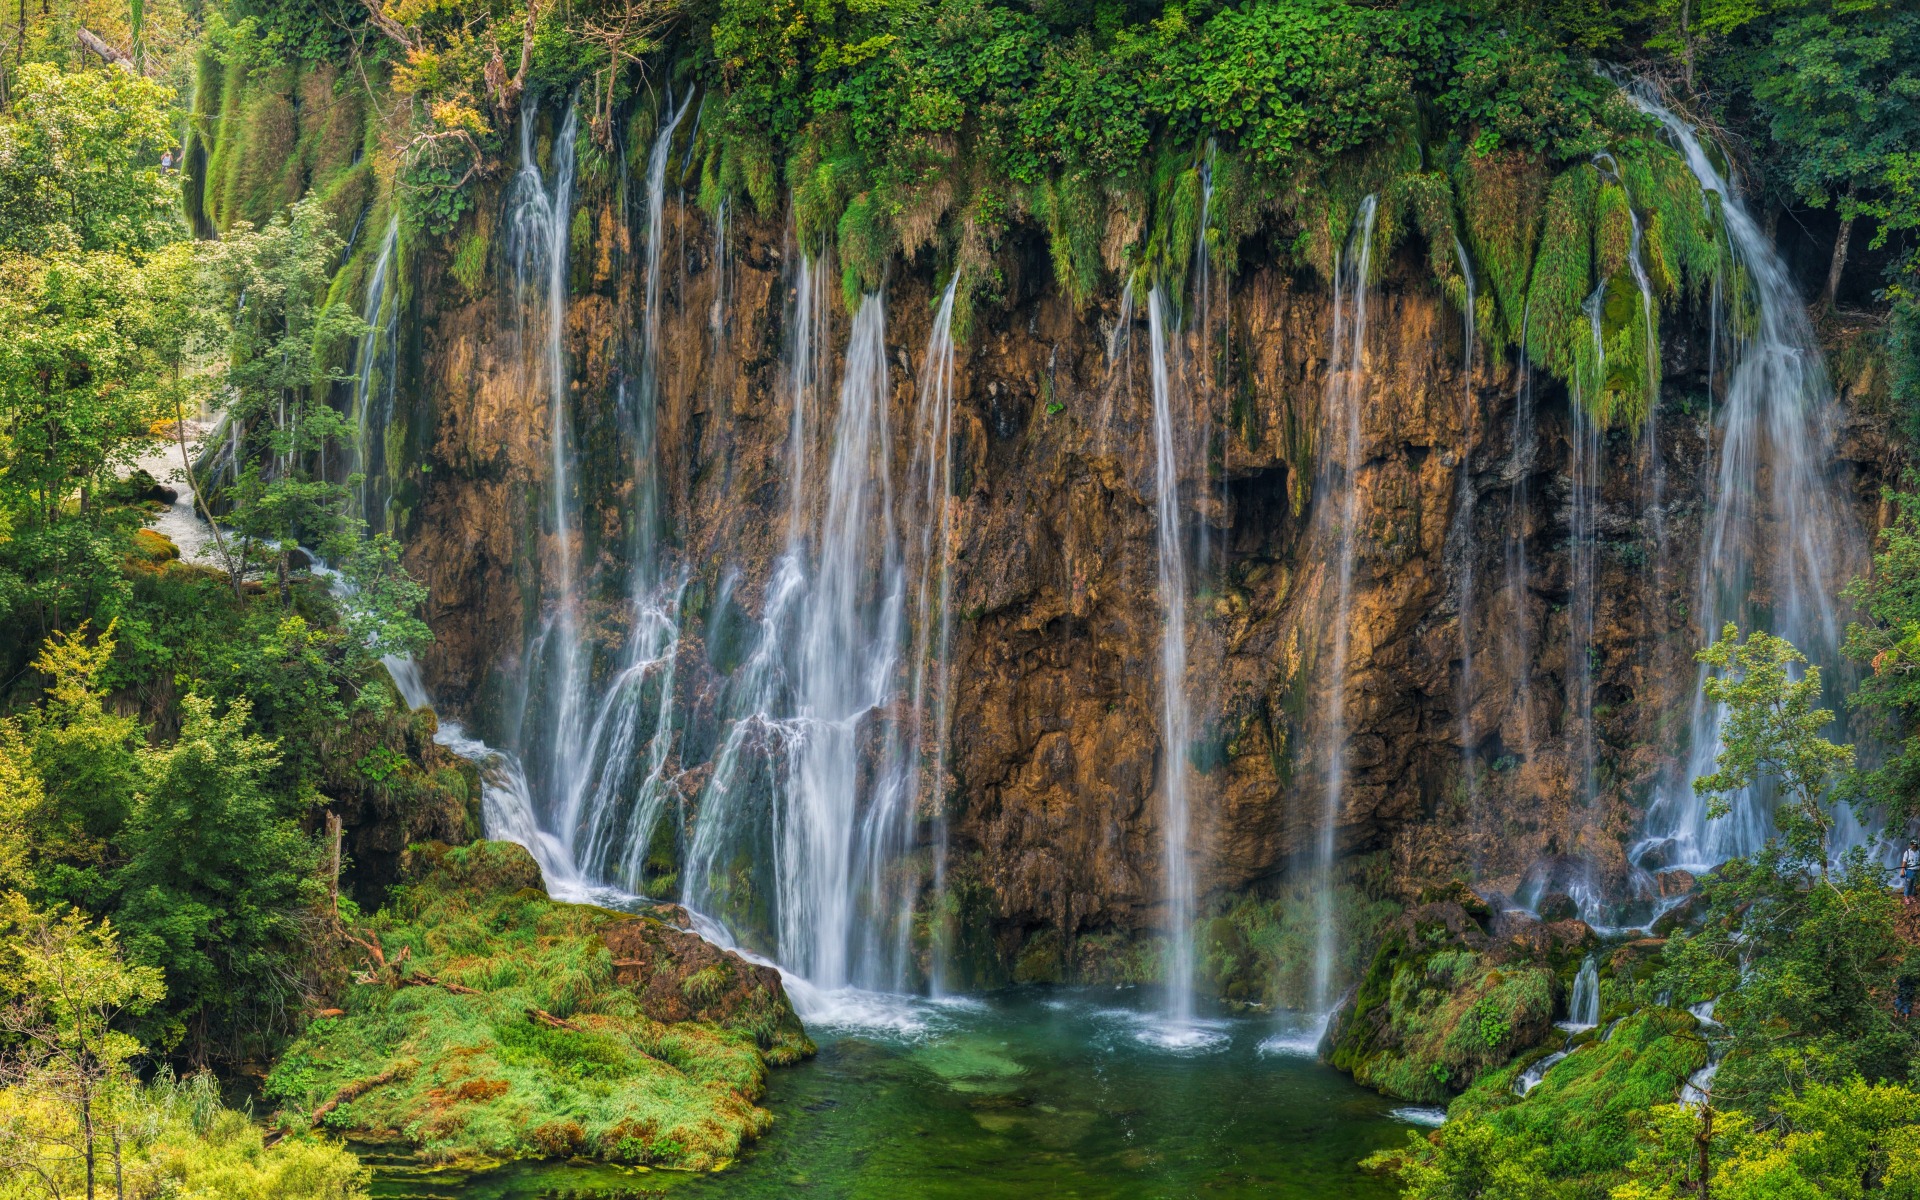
1910, 870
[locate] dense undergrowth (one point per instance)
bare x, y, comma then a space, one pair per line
541, 1050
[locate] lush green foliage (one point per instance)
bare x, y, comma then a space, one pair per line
1571, 1135
484, 1072
1773, 733
74, 1120
1887, 641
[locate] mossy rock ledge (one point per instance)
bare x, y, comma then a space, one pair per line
1451, 993
487, 1022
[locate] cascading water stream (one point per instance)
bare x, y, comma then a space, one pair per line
1583, 1007
814, 776
376, 362
1774, 543
1175, 720
932, 607
555, 673
1339, 500
1465, 501
1517, 570
1585, 437
615, 820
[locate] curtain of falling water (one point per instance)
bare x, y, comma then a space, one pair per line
1175, 721
1775, 530
1339, 501
376, 360
552, 708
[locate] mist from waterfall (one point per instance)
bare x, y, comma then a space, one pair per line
1339, 501
1175, 720
1774, 546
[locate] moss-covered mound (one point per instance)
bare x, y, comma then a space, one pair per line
490, 1022
1445, 1001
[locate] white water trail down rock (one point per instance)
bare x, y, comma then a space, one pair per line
552, 718
1583, 1007
375, 370
1339, 502
1465, 499
811, 796
932, 595
618, 801
1175, 720
1775, 525
1531, 1077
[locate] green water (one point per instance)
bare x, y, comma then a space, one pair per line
1058, 1094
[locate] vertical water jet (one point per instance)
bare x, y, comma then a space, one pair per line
1174, 717
1340, 503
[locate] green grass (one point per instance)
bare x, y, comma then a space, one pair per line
484, 1076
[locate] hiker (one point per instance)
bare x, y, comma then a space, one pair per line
1903, 996
1910, 870
166, 161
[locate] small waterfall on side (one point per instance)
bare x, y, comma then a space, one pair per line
1585, 436
1517, 570
554, 686
932, 603
1340, 501
1583, 1007
376, 363
1774, 530
1465, 499
1174, 717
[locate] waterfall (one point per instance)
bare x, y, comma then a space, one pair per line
814, 770
932, 606
1584, 437
606, 821
376, 361
1517, 570
554, 682
1465, 499
1774, 542
1340, 501
1583, 1007
1174, 717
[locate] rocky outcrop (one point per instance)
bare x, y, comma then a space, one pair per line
1462, 756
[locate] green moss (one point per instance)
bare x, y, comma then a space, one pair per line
469, 264
479, 1074
1502, 199
1580, 1114
1040, 960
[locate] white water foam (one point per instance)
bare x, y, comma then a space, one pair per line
1432, 1118
1298, 1043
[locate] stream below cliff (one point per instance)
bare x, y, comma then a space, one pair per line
1026, 1093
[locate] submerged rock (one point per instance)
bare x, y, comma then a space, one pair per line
489, 1022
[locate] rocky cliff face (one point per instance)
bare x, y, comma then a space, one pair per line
1464, 750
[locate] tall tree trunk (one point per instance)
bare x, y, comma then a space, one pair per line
1840, 241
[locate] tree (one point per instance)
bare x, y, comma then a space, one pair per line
1887, 640
264, 310
1773, 732
1846, 1139
1839, 86
219, 873
79, 164
68, 984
